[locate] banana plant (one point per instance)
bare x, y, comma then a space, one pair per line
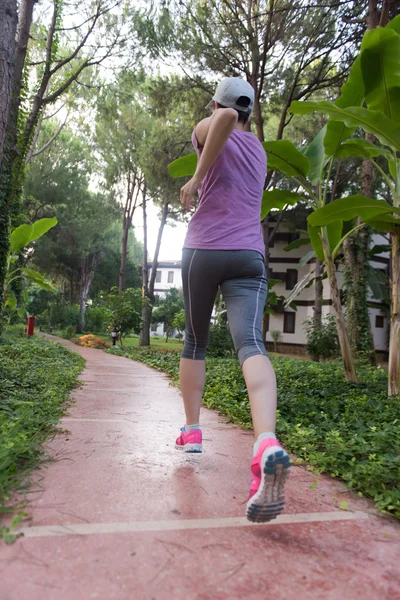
310, 168
20, 238
378, 73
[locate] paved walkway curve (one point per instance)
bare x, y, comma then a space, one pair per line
122, 516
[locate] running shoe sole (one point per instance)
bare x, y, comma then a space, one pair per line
197, 448
268, 502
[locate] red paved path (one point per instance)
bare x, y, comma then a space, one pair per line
124, 516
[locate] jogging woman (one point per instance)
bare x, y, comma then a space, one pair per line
224, 248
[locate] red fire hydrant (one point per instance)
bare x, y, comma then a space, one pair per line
31, 325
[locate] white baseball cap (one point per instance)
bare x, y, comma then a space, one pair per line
229, 90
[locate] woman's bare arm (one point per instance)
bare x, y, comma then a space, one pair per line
212, 133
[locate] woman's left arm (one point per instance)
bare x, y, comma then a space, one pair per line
212, 133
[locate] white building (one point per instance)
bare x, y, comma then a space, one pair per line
284, 266
169, 275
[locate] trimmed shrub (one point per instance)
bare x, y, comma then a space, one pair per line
220, 341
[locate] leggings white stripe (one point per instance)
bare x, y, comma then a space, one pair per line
255, 317
190, 307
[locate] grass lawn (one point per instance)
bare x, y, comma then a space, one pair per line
36, 378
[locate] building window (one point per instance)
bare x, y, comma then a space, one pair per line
379, 321
291, 278
170, 277
289, 322
158, 276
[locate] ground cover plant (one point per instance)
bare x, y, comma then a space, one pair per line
347, 430
36, 377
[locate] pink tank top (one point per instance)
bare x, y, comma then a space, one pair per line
228, 211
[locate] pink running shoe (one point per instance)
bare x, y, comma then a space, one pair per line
192, 441
270, 470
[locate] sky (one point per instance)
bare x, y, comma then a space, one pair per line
173, 237
172, 240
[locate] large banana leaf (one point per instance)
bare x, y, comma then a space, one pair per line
283, 156
394, 24
35, 277
372, 121
380, 66
297, 244
41, 227
278, 199
306, 258
379, 249
315, 239
352, 94
363, 149
11, 301
184, 166
348, 208
316, 155
25, 234
20, 237
383, 223
378, 284
334, 232
394, 168
299, 287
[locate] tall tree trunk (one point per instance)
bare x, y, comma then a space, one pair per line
129, 210
319, 289
349, 369
144, 338
258, 118
124, 252
88, 268
394, 343
8, 28
149, 294
356, 247
9, 153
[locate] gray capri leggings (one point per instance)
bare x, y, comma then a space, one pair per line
242, 278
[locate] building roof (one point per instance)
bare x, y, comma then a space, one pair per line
172, 264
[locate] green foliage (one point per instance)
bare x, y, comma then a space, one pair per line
40, 300
372, 121
316, 156
276, 337
220, 342
278, 199
21, 237
348, 208
124, 309
36, 377
286, 158
63, 315
183, 167
179, 321
322, 342
347, 430
25, 234
97, 319
169, 306
68, 333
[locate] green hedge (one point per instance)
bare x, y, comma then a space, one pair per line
351, 431
36, 377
